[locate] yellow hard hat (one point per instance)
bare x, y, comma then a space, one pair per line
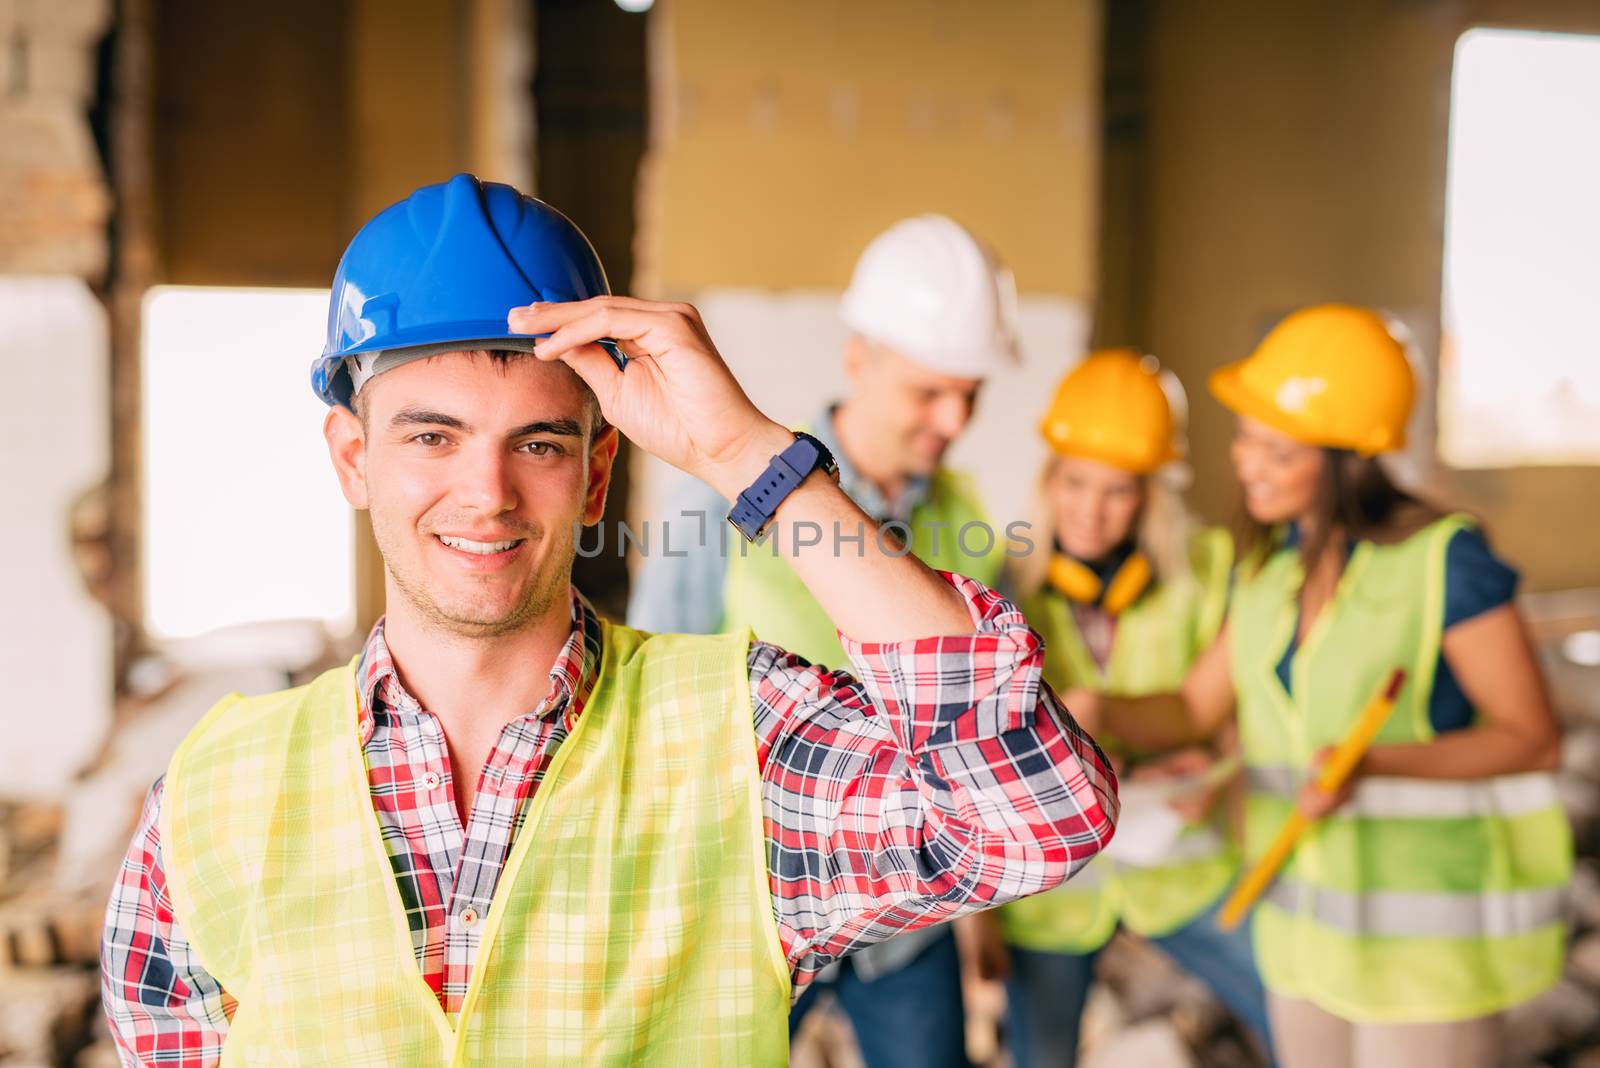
1113, 407
1330, 375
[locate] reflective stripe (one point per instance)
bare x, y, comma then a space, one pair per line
1423, 914
1276, 780
1392, 798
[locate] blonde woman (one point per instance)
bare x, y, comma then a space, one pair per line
1429, 896
1129, 593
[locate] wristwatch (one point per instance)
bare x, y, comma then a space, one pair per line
756, 505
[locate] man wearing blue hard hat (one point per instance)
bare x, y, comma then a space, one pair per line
511, 832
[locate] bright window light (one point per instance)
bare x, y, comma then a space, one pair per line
243, 521
1520, 363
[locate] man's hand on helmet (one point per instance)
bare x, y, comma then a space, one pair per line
677, 399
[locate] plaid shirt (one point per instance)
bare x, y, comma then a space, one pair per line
940, 778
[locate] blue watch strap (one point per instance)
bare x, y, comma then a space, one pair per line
756, 505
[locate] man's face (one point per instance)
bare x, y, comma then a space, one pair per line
475, 473
918, 412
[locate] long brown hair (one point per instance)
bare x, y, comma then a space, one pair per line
1355, 498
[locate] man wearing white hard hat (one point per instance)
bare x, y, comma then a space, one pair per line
932, 314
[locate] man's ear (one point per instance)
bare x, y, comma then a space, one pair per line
347, 446
857, 355
602, 455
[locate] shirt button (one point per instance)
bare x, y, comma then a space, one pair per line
431, 780
468, 916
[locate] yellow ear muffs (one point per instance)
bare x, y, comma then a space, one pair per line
1127, 584
1078, 583
1074, 580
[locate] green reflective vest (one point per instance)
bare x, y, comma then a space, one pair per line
1156, 640
632, 924
949, 531
1420, 900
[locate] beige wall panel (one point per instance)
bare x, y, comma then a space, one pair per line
787, 135
410, 121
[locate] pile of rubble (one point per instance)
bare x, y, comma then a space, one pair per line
49, 951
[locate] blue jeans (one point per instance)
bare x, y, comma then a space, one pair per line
1046, 992
911, 1018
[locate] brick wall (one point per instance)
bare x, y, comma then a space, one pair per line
54, 201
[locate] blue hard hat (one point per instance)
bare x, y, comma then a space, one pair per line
445, 266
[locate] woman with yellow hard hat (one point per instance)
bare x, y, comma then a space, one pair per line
1428, 897
1130, 593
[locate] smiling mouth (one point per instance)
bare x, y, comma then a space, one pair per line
479, 548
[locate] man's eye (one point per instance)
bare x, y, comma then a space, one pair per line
542, 448
428, 438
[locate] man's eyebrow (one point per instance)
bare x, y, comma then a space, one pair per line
426, 417
561, 427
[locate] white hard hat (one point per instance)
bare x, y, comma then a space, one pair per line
930, 290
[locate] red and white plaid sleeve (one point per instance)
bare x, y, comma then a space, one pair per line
162, 1005
941, 777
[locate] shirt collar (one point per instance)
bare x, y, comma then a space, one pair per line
867, 495
572, 676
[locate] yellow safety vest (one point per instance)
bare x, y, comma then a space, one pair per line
1157, 638
632, 924
1420, 900
949, 531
